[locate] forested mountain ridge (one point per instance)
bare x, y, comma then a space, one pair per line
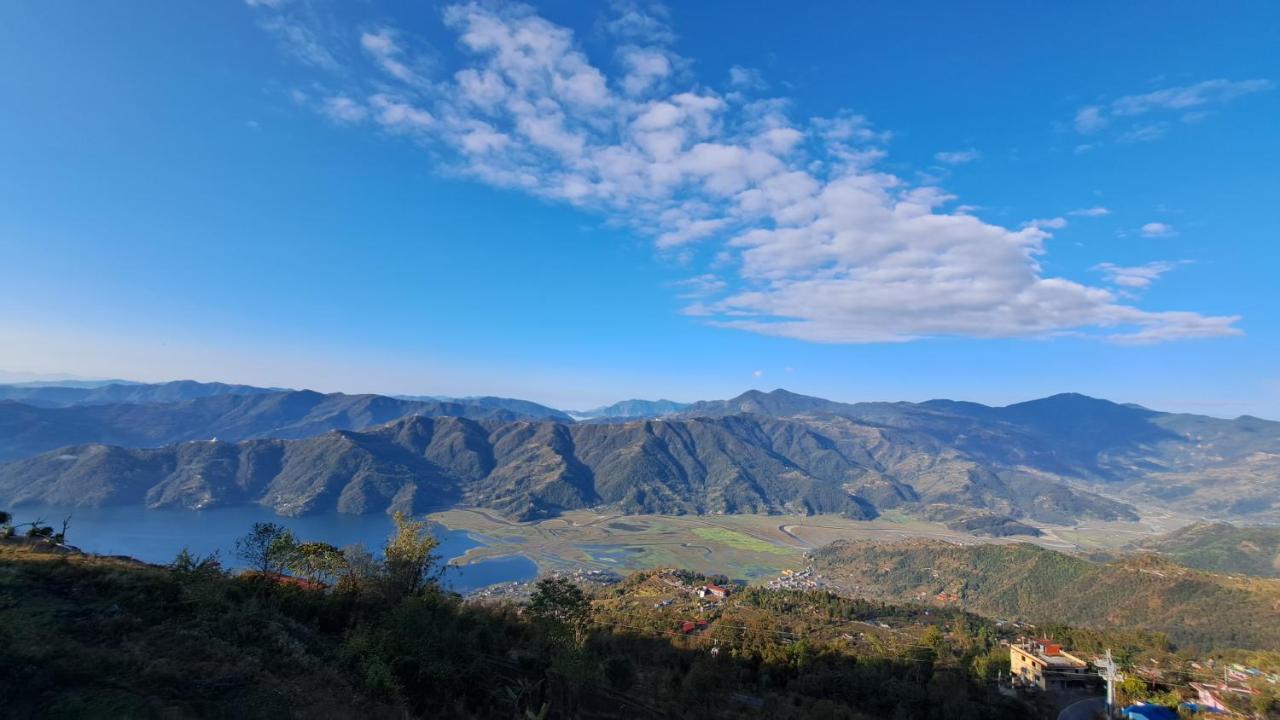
530, 469
1050, 459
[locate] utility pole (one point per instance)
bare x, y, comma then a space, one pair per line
1110, 667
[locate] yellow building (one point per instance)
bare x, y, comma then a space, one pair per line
1045, 665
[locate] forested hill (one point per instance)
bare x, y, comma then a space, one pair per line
1221, 547
377, 638
1023, 581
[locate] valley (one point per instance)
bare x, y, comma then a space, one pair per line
747, 547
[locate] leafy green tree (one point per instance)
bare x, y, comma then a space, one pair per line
317, 561
267, 548
409, 566
558, 601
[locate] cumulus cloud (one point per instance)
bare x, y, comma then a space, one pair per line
1156, 229
1188, 102
810, 238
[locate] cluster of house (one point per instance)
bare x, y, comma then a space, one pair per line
805, 579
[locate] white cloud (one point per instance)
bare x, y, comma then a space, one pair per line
701, 286
810, 239
1145, 133
1188, 96
342, 109
1135, 277
1186, 101
1097, 211
1156, 229
382, 45
757, 373
958, 157
1055, 223
746, 78
1090, 119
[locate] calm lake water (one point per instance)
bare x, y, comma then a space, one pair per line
157, 535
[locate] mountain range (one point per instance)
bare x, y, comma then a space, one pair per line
1058, 459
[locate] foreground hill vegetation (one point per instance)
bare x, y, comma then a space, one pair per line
1023, 581
84, 636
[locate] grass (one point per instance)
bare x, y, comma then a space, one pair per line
739, 541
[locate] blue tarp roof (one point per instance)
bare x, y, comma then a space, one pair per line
1149, 712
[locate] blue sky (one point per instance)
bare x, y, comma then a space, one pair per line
579, 203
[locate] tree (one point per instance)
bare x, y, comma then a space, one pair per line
408, 563
317, 561
267, 548
189, 565
620, 672
559, 602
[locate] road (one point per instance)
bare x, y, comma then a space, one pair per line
1086, 709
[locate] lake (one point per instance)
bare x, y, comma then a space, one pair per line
156, 536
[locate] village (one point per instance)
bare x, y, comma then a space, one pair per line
1039, 665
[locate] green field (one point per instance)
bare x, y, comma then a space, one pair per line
734, 539
747, 547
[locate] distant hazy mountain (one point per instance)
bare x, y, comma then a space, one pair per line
1198, 464
1221, 547
523, 408
630, 409
1022, 581
27, 430
68, 393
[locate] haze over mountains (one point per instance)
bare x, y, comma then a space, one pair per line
1057, 460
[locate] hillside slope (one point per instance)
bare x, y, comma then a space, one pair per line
1221, 547
1032, 583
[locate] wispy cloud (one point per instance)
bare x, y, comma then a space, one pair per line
1156, 229
1096, 211
1054, 223
1188, 103
342, 109
1137, 276
810, 238
957, 157
746, 78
